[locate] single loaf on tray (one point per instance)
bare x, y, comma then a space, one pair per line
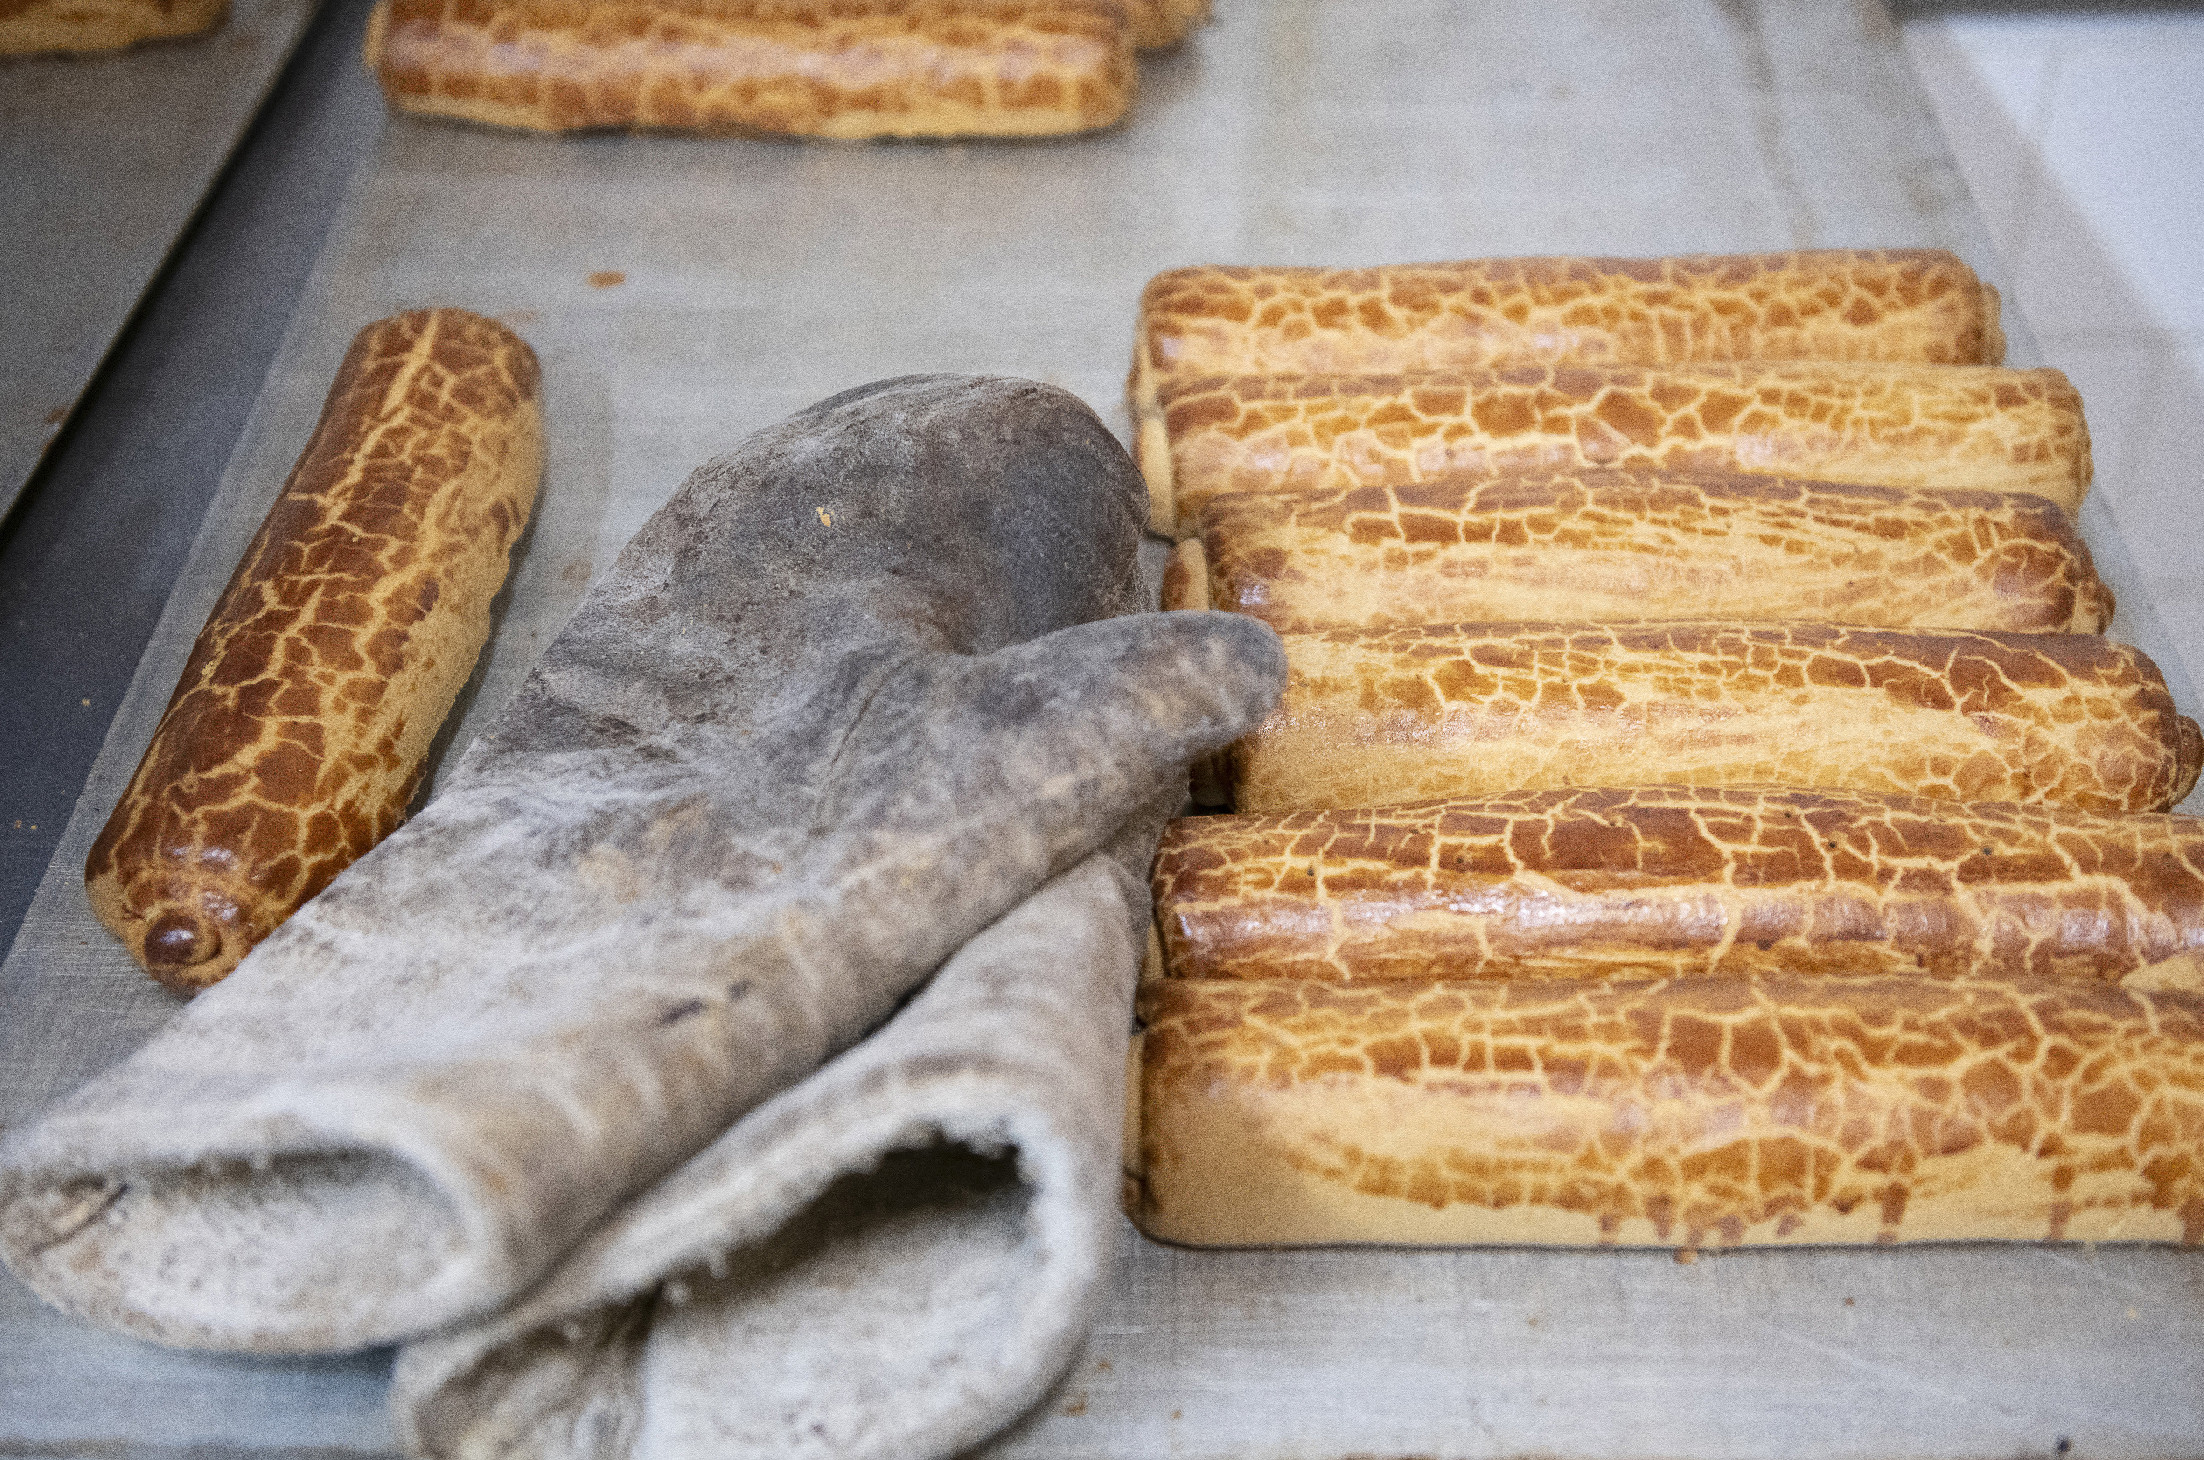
1921, 305
31, 26
1689, 1113
297, 735
813, 68
1622, 546
1684, 881
1372, 717
1940, 427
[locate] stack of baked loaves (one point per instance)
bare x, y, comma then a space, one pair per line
1703, 809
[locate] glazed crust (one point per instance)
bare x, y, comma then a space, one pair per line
31, 26
812, 68
1935, 427
1684, 881
1624, 546
1694, 1113
1921, 305
1376, 717
297, 734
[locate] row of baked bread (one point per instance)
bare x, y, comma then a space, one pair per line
1796, 875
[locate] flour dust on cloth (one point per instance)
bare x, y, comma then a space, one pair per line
893, 1259
858, 690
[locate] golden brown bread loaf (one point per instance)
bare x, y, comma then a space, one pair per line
1622, 546
1372, 717
297, 734
813, 68
1684, 881
1936, 427
1922, 305
31, 26
1692, 1113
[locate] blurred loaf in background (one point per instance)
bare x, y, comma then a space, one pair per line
847, 69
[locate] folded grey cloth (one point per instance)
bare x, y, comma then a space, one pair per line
838, 706
893, 1259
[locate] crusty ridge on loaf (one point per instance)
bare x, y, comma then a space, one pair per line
298, 731
1690, 1113
1684, 881
1938, 427
1159, 23
1622, 547
847, 69
1921, 305
1406, 714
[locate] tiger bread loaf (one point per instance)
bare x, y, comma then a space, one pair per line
1677, 1113
1921, 305
1625, 546
847, 69
298, 732
28, 27
1684, 882
1371, 717
1926, 427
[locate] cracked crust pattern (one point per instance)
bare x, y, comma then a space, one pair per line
298, 731
1407, 714
1683, 881
1624, 546
1713, 1112
28, 27
813, 68
1933, 427
1921, 305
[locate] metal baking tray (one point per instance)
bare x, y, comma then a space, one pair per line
105, 158
756, 276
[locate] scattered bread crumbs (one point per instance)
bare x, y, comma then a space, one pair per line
826, 518
607, 279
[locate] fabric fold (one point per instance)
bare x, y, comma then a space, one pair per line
857, 690
896, 1257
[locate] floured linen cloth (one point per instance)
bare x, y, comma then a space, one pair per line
854, 693
893, 1259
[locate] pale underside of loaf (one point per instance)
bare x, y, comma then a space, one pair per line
1716, 1112
863, 69
1921, 305
1684, 881
1932, 427
1627, 546
31, 26
1376, 717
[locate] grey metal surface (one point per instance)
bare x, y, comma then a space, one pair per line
759, 276
103, 160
